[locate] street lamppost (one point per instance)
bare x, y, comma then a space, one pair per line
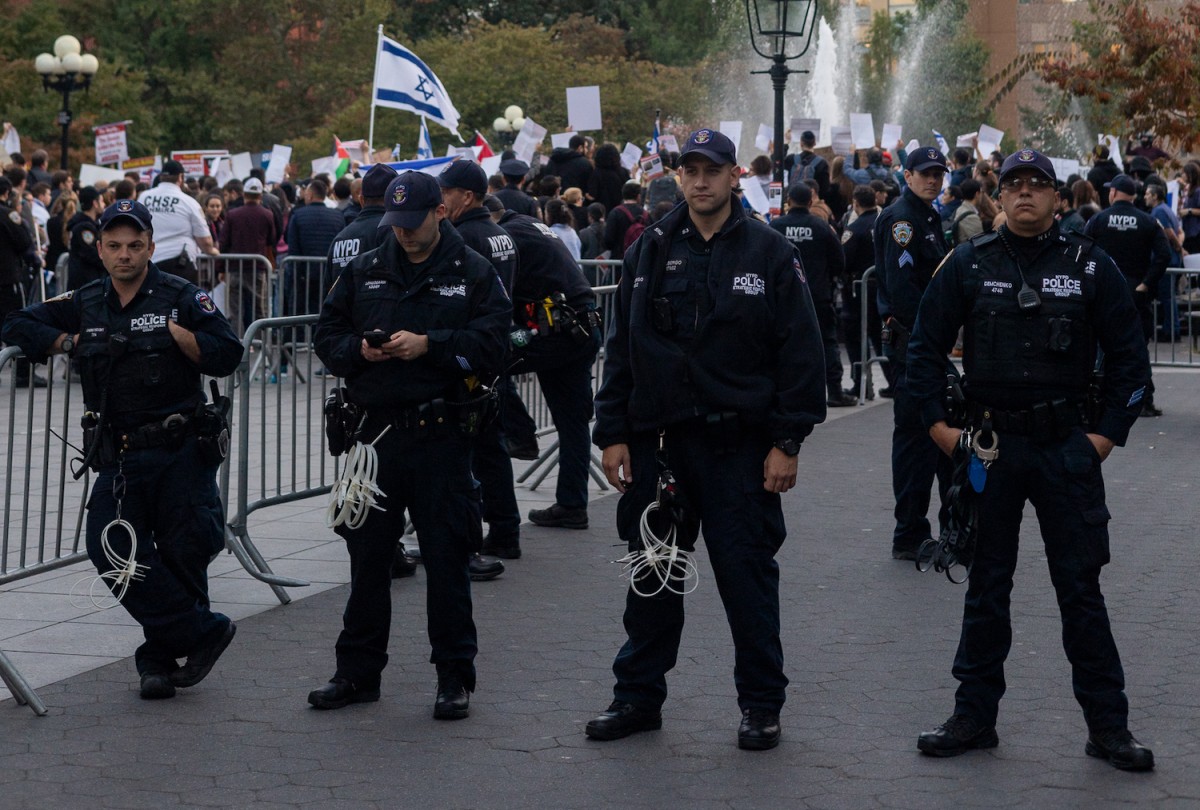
65, 71
508, 125
780, 30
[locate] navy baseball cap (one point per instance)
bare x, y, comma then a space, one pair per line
173, 167
710, 143
376, 180
132, 210
514, 168
409, 199
464, 174
1123, 183
1028, 159
925, 157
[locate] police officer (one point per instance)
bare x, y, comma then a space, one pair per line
84, 264
551, 294
464, 185
143, 338
410, 326
858, 250
1035, 304
824, 265
1136, 242
714, 356
514, 199
15, 243
364, 233
909, 244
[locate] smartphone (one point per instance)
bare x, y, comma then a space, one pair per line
376, 338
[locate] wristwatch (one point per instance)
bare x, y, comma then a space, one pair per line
790, 447
67, 345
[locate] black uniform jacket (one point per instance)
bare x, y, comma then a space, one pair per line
455, 298
757, 351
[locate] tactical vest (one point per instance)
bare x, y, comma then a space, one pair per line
151, 374
1053, 347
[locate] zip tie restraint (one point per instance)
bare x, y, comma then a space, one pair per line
355, 493
124, 569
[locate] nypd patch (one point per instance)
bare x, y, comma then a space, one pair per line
88, 237
902, 232
846, 236
14, 217
67, 296
205, 302
799, 268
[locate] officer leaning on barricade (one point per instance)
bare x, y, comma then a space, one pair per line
416, 327
551, 295
713, 377
464, 185
142, 339
909, 243
1036, 305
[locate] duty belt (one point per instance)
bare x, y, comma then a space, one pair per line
154, 434
1045, 420
430, 414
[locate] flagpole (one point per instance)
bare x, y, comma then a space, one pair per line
374, 78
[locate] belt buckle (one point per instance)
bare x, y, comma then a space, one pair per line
174, 422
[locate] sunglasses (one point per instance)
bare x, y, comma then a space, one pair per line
1034, 183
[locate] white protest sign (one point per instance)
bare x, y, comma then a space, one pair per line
843, 141
755, 195
862, 130
90, 174
733, 131
111, 143
652, 167
912, 146
490, 165
631, 155
277, 165
528, 140
667, 143
561, 140
989, 139
762, 141
1114, 149
241, 164
583, 108
966, 140
802, 125
221, 168
325, 165
891, 136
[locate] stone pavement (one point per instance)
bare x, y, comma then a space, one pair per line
868, 641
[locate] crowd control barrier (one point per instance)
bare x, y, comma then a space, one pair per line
1176, 340
864, 362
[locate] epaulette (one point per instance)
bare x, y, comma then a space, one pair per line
982, 239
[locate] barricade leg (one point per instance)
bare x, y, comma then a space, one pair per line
21, 691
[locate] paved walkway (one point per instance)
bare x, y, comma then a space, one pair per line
868, 641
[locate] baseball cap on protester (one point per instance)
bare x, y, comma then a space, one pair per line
925, 157
137, 214
409, 199
253, 186
711, 144
1028, 159
376, 180
464, 174
173, 167
1123, 183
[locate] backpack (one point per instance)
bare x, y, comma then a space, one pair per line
635, 229
808, 170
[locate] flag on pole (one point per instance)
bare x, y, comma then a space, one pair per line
652, 144
424, 145
343, 156
404, 82
942, 145
484, 149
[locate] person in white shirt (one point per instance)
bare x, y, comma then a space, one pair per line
180, 228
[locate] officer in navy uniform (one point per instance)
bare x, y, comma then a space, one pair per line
561, 356
1138, 245
142, 339
514, 199
858, 249
909, 244
464, 185
445, 315
364, 233
714, 353
1036, 305
824, 265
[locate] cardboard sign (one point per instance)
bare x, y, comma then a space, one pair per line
111, 143
193, 160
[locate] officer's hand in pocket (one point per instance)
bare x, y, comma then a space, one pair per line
1103, 444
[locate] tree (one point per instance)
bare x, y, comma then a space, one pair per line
1141, 70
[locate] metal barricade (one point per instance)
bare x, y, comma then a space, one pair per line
600, 272
279, 442
1178, 344
535, 403
248, 286
865, 360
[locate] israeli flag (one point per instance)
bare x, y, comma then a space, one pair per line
652, 144
404, 82
424, 145
941, 142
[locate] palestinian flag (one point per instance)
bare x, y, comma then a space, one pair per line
481, 147
343, 157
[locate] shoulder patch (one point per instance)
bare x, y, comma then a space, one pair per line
846, 236
67, 296
799, 268
902, 232
205, 302
88, 237
14, 217
984, 238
